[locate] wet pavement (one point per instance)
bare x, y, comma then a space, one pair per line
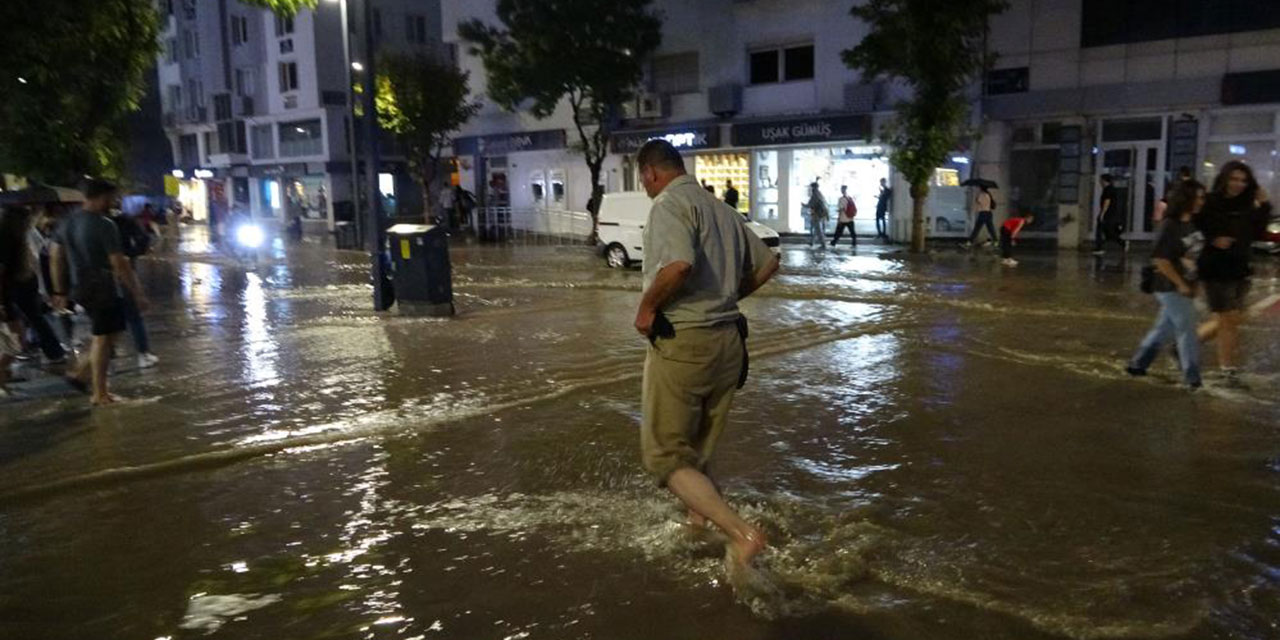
939, 447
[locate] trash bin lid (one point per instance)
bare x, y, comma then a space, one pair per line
409, 229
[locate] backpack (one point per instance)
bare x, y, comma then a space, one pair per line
850, 207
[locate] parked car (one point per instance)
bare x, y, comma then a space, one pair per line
1270, 241
622, 219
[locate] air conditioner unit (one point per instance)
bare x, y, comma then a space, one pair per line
725, 100
650, 105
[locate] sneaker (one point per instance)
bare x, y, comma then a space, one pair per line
147, 360
966, 245
1009, 262
1135, 372
1126, 246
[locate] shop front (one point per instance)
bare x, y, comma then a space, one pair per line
701, 143
526, 170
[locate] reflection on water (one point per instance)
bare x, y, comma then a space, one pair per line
937, 450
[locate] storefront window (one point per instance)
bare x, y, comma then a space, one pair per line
720, 169
944, 210
858, 168
301, 138
1033, 182
765, 190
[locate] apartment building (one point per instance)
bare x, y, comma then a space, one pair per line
754, 92
256, 104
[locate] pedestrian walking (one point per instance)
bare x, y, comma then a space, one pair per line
985, 204
1174, 282
1009, 237
87, 255
730, 195
135, 243
9, 349
1108, 226
700, 261
818, 216
846, 209
883, 203
1162, 205
22, 304
1236, 212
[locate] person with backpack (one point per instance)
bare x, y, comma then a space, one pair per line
846, 210
135, 242
1174, 283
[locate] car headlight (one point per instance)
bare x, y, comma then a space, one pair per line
1274, 227
249, 236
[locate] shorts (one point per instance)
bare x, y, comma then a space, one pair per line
107, 319
1226, 295
689, 382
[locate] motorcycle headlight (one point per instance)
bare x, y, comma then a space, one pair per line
249, 236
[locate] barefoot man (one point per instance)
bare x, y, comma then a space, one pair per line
700, 260
88, 243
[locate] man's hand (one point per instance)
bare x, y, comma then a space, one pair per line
1224, 242
59, 302
1186, 290
644, 320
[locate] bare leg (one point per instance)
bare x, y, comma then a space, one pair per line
700, 495
1208, 330
1228, 338
100, 359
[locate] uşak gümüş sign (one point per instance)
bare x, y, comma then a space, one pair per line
801, 130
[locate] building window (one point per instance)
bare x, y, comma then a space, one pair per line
288, 77
1105, 22
174, 94
191, 44
286, 46
239, 30
171, 50
189, 9
675, 73
782, 64
244, 82
284, 25
301, 138
189, 150
210, 147
416, 29
264, 142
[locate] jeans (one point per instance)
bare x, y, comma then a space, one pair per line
1006, 243
1176, 321
882, 226
984, 220
24, 298
840, 227
817, 231
137, 328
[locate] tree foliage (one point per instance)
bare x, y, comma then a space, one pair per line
586, 52
73, 71
938, 50
421, 102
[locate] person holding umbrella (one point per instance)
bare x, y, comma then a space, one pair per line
985, 204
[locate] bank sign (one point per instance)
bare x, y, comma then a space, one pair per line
802, 130
504, 143
692, 137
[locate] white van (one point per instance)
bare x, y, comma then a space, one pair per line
622, 219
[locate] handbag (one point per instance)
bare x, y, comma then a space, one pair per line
1148, 281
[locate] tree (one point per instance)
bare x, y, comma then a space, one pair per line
74, 71
938, 50
422, 101
586, 52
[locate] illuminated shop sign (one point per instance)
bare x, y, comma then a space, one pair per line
690, 137
504, 143
802, 130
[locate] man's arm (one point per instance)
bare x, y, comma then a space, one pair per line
756, 279
665, 285
125, 275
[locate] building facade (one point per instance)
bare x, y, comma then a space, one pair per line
256, 104
754, 92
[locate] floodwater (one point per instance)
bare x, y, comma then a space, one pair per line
939, 448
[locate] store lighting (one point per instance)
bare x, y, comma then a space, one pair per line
299, 129
22, 80
1237, 149
177, 173
959, 159
202, 173
356, 66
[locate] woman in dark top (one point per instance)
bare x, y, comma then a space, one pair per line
1235, 214
1177, 249
19, 286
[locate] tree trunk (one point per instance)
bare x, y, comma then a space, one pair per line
919, 192
597, 192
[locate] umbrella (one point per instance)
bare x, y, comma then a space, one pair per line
980, 182
41, 194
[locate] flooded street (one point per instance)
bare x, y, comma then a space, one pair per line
938, 448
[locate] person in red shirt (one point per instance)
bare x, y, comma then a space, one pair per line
1009, 235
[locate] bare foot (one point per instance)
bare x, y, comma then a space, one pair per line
696, 520
103, 400
742, 550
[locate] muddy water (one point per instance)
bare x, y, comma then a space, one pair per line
937, 448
